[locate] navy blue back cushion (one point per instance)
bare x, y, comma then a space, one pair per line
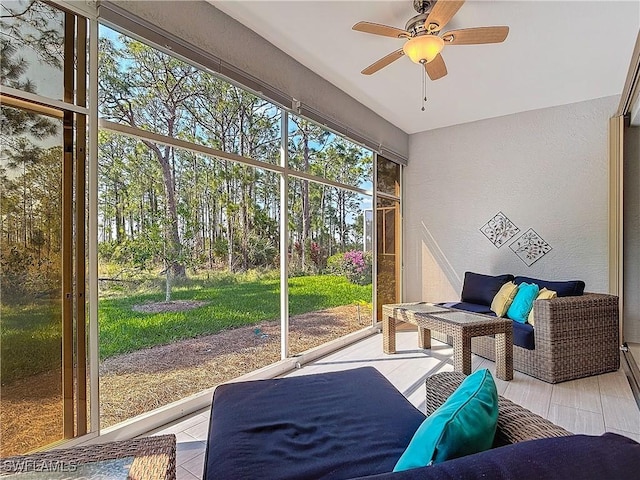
481, 289
583, 457
570, 288
326, 426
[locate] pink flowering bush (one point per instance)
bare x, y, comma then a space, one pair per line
356, 266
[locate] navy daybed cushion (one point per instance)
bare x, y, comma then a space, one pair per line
583, 457
571, 288
334, 425
522, 332
481, 289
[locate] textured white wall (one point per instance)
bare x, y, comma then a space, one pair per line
545, 169
203, 25
631, 234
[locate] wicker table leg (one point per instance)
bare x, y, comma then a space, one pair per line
424, 338
462, 353
504, 355
388, 334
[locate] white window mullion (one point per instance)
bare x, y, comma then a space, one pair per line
284, 237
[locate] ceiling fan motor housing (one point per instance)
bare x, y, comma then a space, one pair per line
416, 24
423, 6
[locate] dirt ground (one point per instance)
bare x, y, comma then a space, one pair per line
141, 381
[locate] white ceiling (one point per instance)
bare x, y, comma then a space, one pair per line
556, 53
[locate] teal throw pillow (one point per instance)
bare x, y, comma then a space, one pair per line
523, 302
464, 424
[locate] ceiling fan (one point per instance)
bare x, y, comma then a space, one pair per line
423, 43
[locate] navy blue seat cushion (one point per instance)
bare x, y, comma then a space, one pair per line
523, 335
327, 426
570, 288
583, 457
481, 289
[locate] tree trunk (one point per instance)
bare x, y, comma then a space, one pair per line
167, 290
229, 222
119, 215
171, 234
172, 237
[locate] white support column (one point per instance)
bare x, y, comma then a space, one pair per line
284, 237
92, 229
374, 243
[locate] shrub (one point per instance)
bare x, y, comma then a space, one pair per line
261, 252
357, 267
314, 258
315, 253
335, 264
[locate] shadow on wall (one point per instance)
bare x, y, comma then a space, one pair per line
439, 280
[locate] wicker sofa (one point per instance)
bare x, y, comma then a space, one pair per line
574, 336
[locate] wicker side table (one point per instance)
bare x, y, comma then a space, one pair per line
460, 325
147, 458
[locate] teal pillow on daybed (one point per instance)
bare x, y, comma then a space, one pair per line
464, 424
523, 302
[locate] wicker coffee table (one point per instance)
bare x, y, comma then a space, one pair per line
458, 324
148, 458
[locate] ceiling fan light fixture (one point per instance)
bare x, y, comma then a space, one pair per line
424, 48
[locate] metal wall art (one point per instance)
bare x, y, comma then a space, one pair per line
530, 247
499, 229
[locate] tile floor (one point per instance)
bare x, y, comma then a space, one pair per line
591, 405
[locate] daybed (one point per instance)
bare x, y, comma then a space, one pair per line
574, 335
355, 424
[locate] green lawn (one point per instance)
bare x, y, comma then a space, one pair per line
232, 304
31, 334
30, 339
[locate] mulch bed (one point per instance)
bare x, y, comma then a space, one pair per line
141, 381
172, 306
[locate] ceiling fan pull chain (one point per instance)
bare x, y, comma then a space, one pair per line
424, 87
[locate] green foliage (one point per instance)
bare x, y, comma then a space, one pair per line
261, 252
335, 264
24, 276
226, 214
31, 226
220, 247
139, 253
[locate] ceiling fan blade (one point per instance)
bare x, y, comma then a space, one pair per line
441, 13
377, 29
383, 62
436, 68
475, 36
